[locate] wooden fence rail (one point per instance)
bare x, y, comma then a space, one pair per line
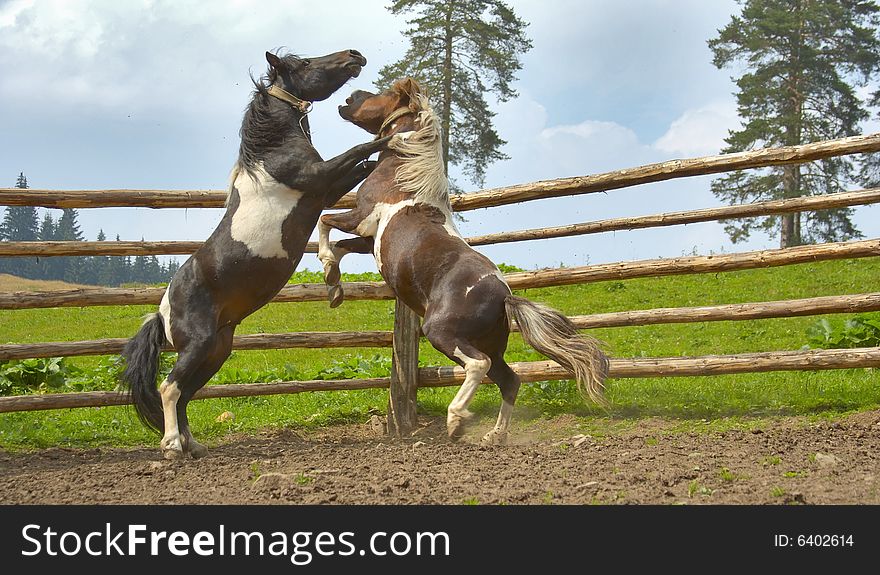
810, 360
858, 303
87, 297
519, 280
774, 207
666, 171
120, 248
482, 199
110, 346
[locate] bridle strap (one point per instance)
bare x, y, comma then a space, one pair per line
302, 105
394, 116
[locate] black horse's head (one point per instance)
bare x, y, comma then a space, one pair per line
314, 79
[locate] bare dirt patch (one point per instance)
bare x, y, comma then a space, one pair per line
650, 461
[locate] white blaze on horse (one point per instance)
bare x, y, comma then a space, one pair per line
278, 188
404, 218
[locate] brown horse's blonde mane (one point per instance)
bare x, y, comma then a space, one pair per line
422, 172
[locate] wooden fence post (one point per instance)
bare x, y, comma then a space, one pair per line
404, 371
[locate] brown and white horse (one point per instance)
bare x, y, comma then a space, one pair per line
404, 218
278, 188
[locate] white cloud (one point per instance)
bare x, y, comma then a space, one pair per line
700, 131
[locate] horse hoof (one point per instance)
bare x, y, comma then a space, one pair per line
198, 451
172, 454
455, 431
337, 296
495, 438
455, 425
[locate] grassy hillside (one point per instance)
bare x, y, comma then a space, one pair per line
688, 398
14, 283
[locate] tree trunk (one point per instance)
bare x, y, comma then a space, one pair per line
790, 228
446, 113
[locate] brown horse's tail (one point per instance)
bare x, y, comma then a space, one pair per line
555, 336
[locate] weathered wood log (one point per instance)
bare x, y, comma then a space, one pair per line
858, 303
693, 264
127, 198
259, 341
439, 376
520, 280
622, 368
666, 171
53, 249
107, 398
402, 419
48, 249
482, 199
151, 296
843, 199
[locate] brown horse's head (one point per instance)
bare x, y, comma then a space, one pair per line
369, 111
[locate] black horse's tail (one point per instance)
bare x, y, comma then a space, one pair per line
555, 336
141, 355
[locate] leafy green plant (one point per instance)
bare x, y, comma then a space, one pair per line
549, 396
37, 374
860, 331
356, 367
507, 268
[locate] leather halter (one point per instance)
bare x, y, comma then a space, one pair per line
394, 116
302, 105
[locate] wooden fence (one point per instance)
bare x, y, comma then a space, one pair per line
406, 376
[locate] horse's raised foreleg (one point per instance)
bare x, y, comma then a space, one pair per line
330, 253
323, 176
347, 182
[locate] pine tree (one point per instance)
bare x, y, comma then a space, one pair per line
803, 60
70, 269
118, 270
20, 224
101, 265
870, 172
153, 270
139, 270
46, 233
461, 50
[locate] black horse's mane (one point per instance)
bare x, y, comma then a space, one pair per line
262, 129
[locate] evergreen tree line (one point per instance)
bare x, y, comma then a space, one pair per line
22, 224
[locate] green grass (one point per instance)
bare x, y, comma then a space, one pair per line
722, 400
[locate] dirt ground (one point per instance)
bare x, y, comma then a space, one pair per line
788, 460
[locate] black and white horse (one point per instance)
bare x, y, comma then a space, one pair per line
278, 188
404, 218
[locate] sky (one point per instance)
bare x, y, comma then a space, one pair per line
150, 94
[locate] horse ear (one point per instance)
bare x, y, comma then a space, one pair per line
413, 87
274, 61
